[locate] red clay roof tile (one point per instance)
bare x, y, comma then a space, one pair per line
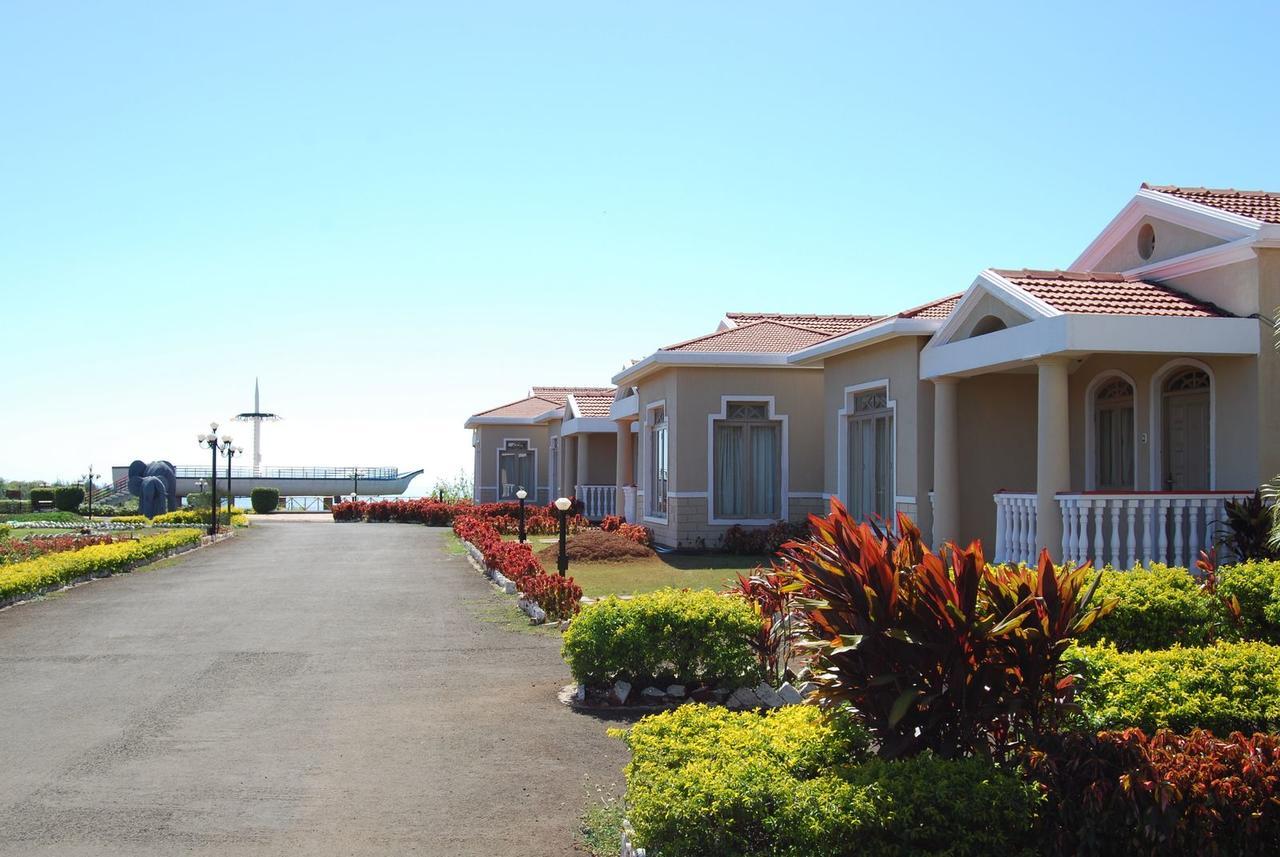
1108, 294
761, 337
1258, 204
560, 394
832, 324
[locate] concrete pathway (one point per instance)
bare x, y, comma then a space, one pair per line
305, 688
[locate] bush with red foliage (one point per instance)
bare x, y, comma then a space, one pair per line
505, 516
515, 560
637, 533
938, 652
1123, 793
611, 523
757, 540
557, 596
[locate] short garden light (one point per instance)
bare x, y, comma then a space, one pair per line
520, 495
562, 505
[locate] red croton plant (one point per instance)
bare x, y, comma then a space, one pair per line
940, 652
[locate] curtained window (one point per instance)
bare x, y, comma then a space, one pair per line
515, 470
658, 460
871, 456
1113, 408
748, 463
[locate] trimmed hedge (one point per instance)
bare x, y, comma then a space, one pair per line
1157, 608
56, 569
1256, 585
68, 498
798, 782
1223, 688
694, 638
239, 517
40, 495
264, 500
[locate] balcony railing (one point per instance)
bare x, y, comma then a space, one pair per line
201, 471
597, 500
1122, 530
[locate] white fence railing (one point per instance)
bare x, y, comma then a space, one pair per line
1122, 530
597, 500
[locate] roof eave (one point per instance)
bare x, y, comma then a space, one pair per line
710, 359
864, 336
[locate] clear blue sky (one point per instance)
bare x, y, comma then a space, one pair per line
399, 214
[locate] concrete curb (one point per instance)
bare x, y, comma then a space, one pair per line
205, 541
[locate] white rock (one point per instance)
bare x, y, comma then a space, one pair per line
653, 693
807, 688
676, 691
743, 697
621, 690
580, 693
768, 696
790, 696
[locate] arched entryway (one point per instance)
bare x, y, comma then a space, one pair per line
1186, 434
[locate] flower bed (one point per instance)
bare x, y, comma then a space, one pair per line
54, 570
555, 598
505, 517
17, 550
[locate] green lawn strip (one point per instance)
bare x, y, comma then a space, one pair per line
683, 571
600, 833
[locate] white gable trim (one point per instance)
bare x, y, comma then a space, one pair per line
1182, 212
712, 359
867, 335
990, 283
1240, 250
588, 425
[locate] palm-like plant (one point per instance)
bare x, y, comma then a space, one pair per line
937, 651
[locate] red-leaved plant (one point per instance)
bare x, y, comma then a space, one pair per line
937, 652
770, 594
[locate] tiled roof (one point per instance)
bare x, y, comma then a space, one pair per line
559, 394
762, 337
1108, 294
1258, 204
593, 406
530, 407
940, 308
831, 324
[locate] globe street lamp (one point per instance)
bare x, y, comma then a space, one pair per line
215, 445
520, 495
562, 506
229, 452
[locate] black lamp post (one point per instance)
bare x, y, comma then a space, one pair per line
355, 484
563, 505
89, 490
211, 440
230, 452
520, 495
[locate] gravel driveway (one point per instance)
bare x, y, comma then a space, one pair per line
305, 688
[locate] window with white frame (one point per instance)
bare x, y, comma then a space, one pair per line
871, 455
747, 463
658, 462
1113, 427
515, 469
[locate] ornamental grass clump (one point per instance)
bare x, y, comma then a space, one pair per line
938, 652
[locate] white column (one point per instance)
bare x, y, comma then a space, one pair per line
582, 477
1053, 452
946, 461
568, 464
622, 466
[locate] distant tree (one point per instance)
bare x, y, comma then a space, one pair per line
453, 490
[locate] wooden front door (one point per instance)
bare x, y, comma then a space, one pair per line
1186, 441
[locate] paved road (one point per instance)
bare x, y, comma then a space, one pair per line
304, 689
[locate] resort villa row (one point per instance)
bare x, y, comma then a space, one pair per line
1106, 411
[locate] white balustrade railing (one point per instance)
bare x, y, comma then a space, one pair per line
1120, 530
597, 500
1016, 527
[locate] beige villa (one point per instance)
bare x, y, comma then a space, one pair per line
1106, 411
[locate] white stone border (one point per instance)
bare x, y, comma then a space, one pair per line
536, 614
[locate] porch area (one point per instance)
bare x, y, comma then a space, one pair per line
1117, 529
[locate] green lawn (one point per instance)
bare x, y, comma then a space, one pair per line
682, 570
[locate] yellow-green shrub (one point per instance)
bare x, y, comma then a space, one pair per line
798, 782
55, 569
1223, 687
672, 635
129, 519
201, 516
1157, 608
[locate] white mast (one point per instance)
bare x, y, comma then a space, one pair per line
256, 416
